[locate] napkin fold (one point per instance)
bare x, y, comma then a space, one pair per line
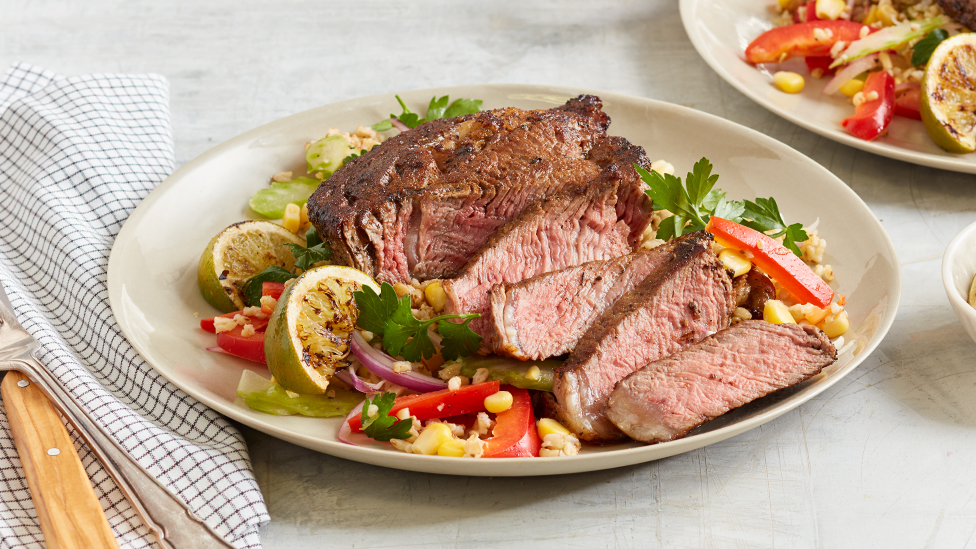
77, 155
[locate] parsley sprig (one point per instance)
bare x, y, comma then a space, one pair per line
406, 336
382, 426
314, 250
697, 200
439, 108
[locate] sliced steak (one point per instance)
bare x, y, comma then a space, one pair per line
681, 302
421, 204
668, 398
569, 229
546, 315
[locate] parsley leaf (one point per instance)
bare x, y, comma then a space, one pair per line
314, 250
923, 48
459, 339
692, 204
763, 215
252, 288
382, 426
403, 334
439, 107
695, 202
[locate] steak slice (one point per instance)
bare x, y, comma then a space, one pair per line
680, 303
668, 398
569, 229
421, 204
546, 315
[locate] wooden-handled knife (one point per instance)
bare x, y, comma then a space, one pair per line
69, 512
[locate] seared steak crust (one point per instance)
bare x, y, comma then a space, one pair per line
688, 297
421, 204
668, 398
963, 11
568, 229
546, 315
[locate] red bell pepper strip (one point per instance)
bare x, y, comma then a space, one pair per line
273, 289
908, 102
811, 11
514, 434
781, 43
208, 323
871, 118
440, 404
822, 63
250, 348
775, 260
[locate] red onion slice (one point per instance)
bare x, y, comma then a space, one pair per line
349, 377
852, 69
399, 125
217, 350
381, 364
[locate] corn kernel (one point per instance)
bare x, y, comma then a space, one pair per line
431, 438
291, 220
498, 402
851, 87
548, 426
789, 82
451, 448
436, 296
533, 373
830, 9
737, 262
303, 215
871, 16
836, 325
776, 312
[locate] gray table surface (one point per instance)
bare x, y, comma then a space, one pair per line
885, 458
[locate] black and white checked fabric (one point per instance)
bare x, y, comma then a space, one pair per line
77, 154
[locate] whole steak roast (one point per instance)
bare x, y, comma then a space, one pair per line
423, 203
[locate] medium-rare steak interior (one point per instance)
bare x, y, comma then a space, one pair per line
423, 203
546, 315
681, 302
570, 228
668, 398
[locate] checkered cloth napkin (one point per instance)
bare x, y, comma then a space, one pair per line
77, 155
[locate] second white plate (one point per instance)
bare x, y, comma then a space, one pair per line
721, 29
154, 294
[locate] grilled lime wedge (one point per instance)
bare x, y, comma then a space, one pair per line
309, 331
236, 254
949, 94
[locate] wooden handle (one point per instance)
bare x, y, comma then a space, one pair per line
67, 508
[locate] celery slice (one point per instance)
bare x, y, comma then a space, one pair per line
888, 38
512, 372
271, 202
264, 395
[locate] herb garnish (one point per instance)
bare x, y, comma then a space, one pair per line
313, 252
923, 49
252, 288
406, 336
696, 201
382, 426
305, 256
438, 108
